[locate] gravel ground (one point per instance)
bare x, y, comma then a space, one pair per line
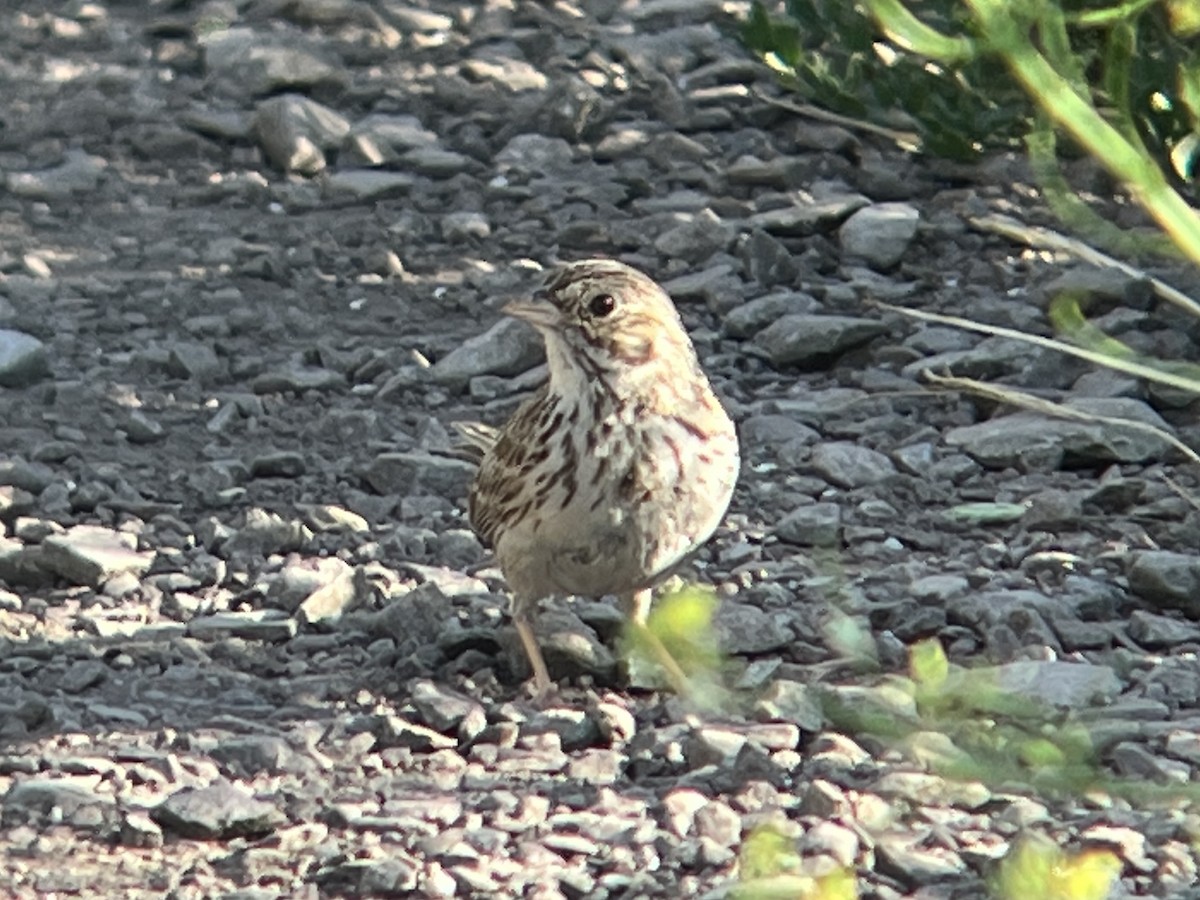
251, 256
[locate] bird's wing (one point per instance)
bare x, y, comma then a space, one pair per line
478, 440
505, 456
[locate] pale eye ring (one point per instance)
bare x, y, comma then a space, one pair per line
601, 305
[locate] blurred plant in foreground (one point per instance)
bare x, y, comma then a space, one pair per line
679, 640
1037, 868
769, 869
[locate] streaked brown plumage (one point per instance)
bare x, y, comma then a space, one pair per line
620, 466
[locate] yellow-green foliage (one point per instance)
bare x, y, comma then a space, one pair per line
683, 621
769, 869
1037, 868
678, 640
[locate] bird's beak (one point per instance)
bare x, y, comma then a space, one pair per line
538, 311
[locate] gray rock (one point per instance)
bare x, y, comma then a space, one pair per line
1133, 760
264, 532
753, 316
14, 502
441, 708
574, 729
67, 798
831, 839
379, 139
708, 284
326, 518
1152, 630
813, 341
1183, 744
679, 807
267, 625
571, 648
393, 876
889, 700
194, 360
247, 62
712, 745
294, 131
790, 701
508, 348
435, 162
1171, 580
771, 431
849, 465
23, 359
816, 407
81, 675
79, 173
813, 525
141, 429
1106, 383
719, 822
934, 339
227, 125
413, 620
1119, 408
299, 579
21, 564
745, 629
464, 226
297, 379
695, 240
937, 589
220, 811
879, 234
410, 474
1066, 684
989, 359
139, 830
803, 219
90, 555
1033, 442
535, 153
397, 731
779, 172
413, 19
1053, 509
506, 72
278, 464
768, 261
37, 267
369, 184
905, 857
332, 599
1007, 618
246, 757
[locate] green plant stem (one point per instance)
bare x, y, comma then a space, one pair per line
910, 33
1099, 18
1077, 115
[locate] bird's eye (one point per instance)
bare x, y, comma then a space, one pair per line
601, 305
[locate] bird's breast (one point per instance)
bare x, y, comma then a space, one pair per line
643, 495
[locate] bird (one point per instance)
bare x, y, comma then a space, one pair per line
619, 467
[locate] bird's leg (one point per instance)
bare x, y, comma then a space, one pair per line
637, 607
541, 675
